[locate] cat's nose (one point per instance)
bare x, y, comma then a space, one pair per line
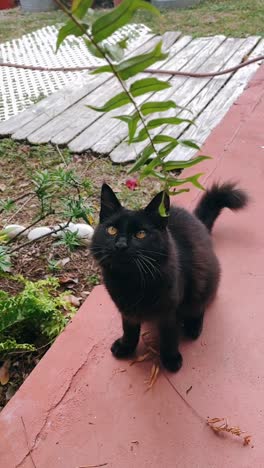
121, 244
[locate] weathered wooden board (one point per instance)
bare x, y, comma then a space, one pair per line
46, 110
87, 117
185, 92
56, 103
206, 89
63, 117
104, 130
216, 109
192, 55
64, 127
182, 89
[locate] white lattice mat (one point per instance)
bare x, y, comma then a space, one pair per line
21, 88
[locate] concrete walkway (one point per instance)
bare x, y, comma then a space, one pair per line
81, 407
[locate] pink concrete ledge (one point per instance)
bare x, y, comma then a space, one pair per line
82, 407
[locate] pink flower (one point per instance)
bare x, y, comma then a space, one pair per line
132, 183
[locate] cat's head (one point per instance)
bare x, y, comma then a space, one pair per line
127, 237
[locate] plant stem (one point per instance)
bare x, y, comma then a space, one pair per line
90, 37
21, 207
28, 227
54, 231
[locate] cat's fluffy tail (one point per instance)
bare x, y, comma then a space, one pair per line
217, 198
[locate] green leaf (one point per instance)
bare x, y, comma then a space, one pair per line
172, 165
162, 209
148, 85
123, 43
80, 7
134, 65
157, 106
141, 136
163, 139
177, 192
167, 149
132, 121
119, 100
93, 49
193, 180
190, 144
114, 51
70, 28
103, 69
105, 26
144, 156
167, 120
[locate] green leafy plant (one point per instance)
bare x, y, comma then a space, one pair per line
94, 279
5, 263
60, 192
53, 265
70, 240
152, 161
37, 311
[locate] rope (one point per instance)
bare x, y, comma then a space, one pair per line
148, 70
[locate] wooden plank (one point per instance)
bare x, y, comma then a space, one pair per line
106, 123
87, 119
77, 114
193, 53
40, 113
218, 107
204, 89
192, 88
182, 89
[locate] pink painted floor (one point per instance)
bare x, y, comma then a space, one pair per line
80, 409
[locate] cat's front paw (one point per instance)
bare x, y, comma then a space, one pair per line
172, 362
121, 350
193, 327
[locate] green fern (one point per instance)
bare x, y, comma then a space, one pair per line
38, 310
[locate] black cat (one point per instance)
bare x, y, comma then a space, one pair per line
161, 269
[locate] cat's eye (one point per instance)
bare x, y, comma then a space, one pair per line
112, 231
141, 234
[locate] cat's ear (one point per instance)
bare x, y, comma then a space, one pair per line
153, 208
109, 203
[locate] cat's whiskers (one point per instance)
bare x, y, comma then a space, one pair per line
161, 254
149, 262
147, 266
141, 271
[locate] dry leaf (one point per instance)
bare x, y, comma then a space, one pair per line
68, 279
153, 375
2, 187
142, 358
224, 427
63, 262
73, 300
4, 373
10, 392
247, 440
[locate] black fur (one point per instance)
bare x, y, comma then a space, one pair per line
217, 198
169, 276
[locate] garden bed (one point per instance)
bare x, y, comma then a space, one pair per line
75, 269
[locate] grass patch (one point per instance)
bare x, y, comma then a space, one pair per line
236, 18
15, 23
